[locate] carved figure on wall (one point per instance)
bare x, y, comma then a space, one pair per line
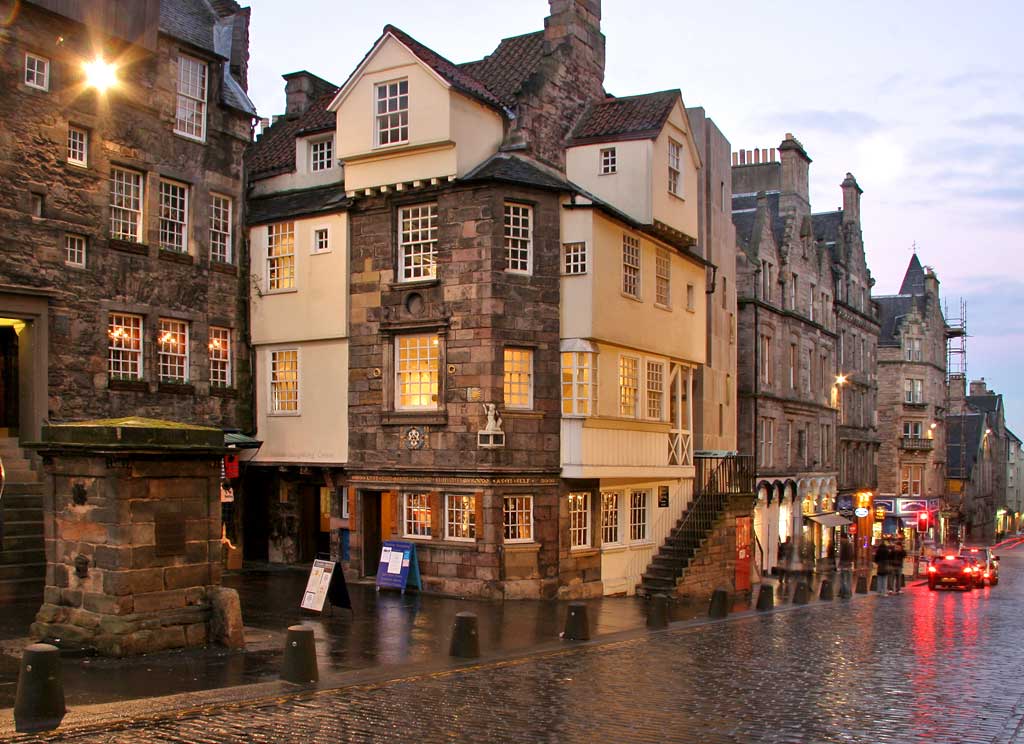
493, 419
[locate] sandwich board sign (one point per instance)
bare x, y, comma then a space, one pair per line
326, 582
398, 566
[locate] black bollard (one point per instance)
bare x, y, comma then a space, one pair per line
39, 700
862, 584
826, 591
802, 595
465, 638
766, 597
300, 656
577, 626
657, 612
874, 583
719, 607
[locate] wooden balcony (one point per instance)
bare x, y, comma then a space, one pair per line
592, 451
919, 444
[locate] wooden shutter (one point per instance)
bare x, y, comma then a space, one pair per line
390, 508
478, 504
436, 501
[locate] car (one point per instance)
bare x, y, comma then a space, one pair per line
951, 571
987, 563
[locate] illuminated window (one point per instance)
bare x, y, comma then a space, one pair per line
577, 382
460, 516
392, 112
281, 256
220, 356
37, 72
416, 371
610, 518
631, 266
284, 381
638, 515
519, 378
518, 518
675, 152
656, 390
663, 282
74, 250
173, 217
417, 515
417, 242
579, 520
78, 146
574, 258
629, 386
518, 238
321, 155
125, 205
912, 429
190, 119
609, 159
172, 351
220, 228
124, 359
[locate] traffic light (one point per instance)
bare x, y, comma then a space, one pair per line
922, 521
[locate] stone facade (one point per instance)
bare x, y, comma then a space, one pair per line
47, 198
714, 566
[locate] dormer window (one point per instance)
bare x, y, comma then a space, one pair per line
190, 118
392, 112
321, 155
675, 152
609, 161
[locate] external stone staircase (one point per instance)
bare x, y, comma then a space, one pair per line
22, 556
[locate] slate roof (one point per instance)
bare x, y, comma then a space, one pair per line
913, 280
745, 218
511, 168
298, 203
633, 117
972, 425
828, 226
274, 151
985, 403
504, 70
189, 20
232, 92
891, 310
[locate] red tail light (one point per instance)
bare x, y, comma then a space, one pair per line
968, 569
932, 569
986, 574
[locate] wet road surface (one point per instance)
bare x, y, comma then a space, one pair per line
935, 667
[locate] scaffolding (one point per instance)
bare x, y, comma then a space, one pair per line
956, 373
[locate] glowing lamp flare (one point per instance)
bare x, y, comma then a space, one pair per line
100, 74
840, 379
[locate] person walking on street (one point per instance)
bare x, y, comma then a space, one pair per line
785, 560
883, 558
899, 554
847, 556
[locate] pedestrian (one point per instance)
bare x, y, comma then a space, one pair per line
847, 557
898, 554
883, 559
785, 559
808, 557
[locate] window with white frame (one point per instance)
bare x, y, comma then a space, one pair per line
609, 160
416, 515
518, 382
675, 156
574, 257
190, 119
37, 71
74, 250
321, 155
912, 349
913, 391
518, 237
78, 146
691, 298
125, 205
173, 216
577, 383
284, 381
579, 520
767, 442
172, 351
638, 515
518, 518
322, 240
460, 516
220, 228
910, 480
793, 291
281, 256
655, 390
663, 280
813, 304
629, 386
417, 242
220, 357
416, 371
392, 112
794, 366
912, 429
124, 354
631, 266
764, 361
610, 518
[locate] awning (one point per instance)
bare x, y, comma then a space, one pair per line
237, 440
829, 520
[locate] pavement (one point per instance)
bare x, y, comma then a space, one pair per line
936, 667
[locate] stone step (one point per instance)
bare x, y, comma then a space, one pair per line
21, 590
23, 475
14, 528
23, 514
10, 557
14, 460
22, 571
658, 584
23, 542
25, 490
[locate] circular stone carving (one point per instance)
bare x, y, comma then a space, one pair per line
414, 304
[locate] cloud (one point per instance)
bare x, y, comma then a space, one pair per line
840, 121
994, 120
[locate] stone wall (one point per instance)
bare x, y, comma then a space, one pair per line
714, 566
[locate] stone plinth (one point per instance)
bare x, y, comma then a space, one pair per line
131, 509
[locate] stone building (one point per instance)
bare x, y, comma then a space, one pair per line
122, 268
912, 405
1012, 521
803, 395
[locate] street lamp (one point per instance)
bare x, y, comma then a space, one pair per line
100, 74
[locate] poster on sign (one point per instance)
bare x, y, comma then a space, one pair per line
318, 585
398, 566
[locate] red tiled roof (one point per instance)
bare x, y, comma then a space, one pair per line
505, 69
634, 117
274, 151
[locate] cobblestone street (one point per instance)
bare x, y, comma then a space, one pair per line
939, 667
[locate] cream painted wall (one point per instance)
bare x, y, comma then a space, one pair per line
629, 188
608, 383
303, 176
679, 212
577, 306
319, 433
318, 306
639, 324
477, 130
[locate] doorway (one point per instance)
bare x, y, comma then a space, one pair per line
9, 378
371, 506
309, 523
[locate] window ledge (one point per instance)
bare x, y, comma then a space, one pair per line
523, 547
223, 392
583, 552
631, 297
224, 268
414, 284
128, 247
450, 544
137, 386
666, 308
176, 388
408, 418
615, 548
284, 291
182, 258
513, 413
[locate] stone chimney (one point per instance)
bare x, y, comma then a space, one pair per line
795, 170
931, 283
979, 387
851, 199
576, 24
957, 392
301, 89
